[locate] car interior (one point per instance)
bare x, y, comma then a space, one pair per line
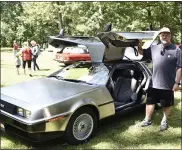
125, 85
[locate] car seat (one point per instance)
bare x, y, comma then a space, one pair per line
124, 87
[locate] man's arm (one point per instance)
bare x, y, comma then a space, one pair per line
178, 75
179, 65
145, 52
179, 70
178, 78
140, 50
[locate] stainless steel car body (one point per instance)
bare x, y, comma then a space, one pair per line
63, 100
52, 102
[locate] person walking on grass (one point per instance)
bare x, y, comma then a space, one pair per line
167, 70
26, 54
17, 64
35, 53
15, 48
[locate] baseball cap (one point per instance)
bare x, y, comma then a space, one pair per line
164, 29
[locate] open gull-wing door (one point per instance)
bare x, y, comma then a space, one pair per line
111, 46
93, 44
117, 43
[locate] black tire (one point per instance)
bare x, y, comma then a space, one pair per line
85, 112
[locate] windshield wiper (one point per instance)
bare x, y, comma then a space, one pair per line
78, 81
72, 80
57, 77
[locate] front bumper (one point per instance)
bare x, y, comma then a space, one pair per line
32, 137
34, 133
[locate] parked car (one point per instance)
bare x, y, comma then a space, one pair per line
69, 54
71, 101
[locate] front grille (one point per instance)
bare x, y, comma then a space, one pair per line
7, 107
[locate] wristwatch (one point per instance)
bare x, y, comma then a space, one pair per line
177, 83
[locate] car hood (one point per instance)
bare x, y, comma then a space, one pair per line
112, 45
44, 91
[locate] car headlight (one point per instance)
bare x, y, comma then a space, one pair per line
20, 111
23, 112
27, 113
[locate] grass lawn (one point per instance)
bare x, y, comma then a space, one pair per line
118, 132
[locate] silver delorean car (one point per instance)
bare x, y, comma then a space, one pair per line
71, 101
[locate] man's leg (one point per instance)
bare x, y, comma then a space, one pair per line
149, 111
29, 67
148, 115
34, 61
36, 64
167, 101
24, 65
150, 105
17, 70
166, 112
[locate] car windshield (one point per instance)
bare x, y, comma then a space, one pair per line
96, 74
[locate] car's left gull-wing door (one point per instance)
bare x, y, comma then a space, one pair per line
93, 44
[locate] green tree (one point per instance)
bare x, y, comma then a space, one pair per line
37, 20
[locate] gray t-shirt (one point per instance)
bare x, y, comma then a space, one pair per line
165, 65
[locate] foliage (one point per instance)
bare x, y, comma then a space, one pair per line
37, 20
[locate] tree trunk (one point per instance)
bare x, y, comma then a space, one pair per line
60, 20
150, 19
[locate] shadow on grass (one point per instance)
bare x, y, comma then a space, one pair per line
114, 131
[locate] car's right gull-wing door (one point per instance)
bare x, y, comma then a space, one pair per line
117, 43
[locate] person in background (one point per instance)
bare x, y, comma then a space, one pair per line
167, 72
26, 54
44, 46
17, 64
35, 53
15, 48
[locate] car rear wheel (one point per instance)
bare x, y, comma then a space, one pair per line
81, 126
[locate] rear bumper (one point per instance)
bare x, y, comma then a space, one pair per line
71, 58
65, 61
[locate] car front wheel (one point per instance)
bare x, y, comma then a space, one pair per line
81, 126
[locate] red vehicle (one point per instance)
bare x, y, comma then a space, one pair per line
70, 53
